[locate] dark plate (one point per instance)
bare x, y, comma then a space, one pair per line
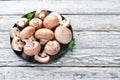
62, 52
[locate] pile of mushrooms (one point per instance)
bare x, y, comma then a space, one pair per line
45, 29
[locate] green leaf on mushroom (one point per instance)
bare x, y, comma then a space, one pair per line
30, 16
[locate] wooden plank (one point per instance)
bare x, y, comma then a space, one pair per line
93, 48
79, 57
60, 73
62, 6
78, 22
83, 39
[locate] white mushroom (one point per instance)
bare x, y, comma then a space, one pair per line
57, 15
22, 22
27, 32
44, 35
63, 35
65, 22
14, 32
32, 48
17, 44
52, 47
32, 38
36, 23
41, 13
51, 21
42, 57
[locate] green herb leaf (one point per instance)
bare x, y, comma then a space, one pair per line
71, 44
30, 16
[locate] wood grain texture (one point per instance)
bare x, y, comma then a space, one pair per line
93, 48
79, 57
83, 39
96, 55
59, 73
78, 22
61, 6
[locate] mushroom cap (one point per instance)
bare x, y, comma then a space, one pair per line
63, 35
57, 15
27, 32
51, 21
17, 44
32, 48
36, 23
65, 22
43, 58
41, 13
52, 47
22, 22
14, 32
44, 35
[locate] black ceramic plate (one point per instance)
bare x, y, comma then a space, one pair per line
62, 52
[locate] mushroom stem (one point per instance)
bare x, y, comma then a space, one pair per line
42, 57
32, 48
65, 23
42, 15
17, 44
22, 22
14, 32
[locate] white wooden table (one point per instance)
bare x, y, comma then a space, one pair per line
96, 55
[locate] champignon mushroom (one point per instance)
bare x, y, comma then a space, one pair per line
17, 44
52, 47
42, 58
44, 35
51, 21
57, 15
65, 22
63, 35
36, 23
22, 22
27, 32
32, 38
14, 32
32, 48
41, 13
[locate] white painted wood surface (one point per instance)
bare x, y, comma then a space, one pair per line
61, 6
96, 27
59, 73
78, 22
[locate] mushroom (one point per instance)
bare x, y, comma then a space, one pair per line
41, 13
63, 35
52, 47
65, 22
32, 48
22, 22
17, 44
36, 23
51, 21
27, 32
43, 57
14, 32
32, 38
44, 35
57, 15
